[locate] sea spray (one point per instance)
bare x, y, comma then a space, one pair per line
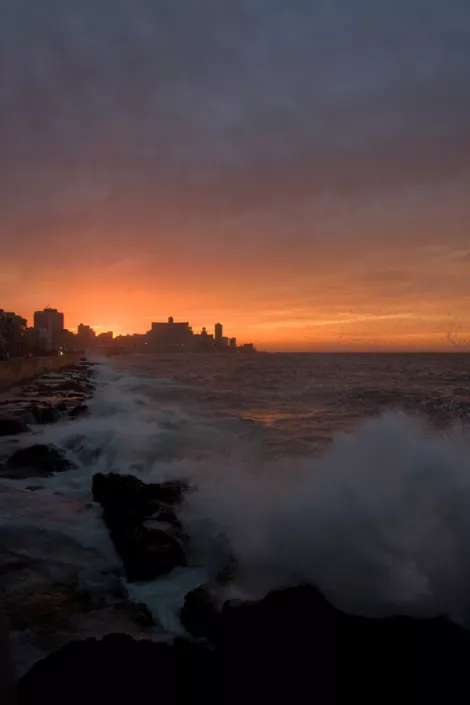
380, 522
377, 520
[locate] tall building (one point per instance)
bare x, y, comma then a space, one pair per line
51, 324
233, 343
219, 331
85, 336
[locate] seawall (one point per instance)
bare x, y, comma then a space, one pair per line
18, 370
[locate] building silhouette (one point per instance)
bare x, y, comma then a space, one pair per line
105, 338
13, 334
50, 324
85, 336
171, 335
219, 331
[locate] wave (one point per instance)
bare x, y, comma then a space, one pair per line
379, 521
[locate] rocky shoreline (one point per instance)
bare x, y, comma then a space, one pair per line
46, 599
291, 645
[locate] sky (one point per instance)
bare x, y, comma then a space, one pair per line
297, 169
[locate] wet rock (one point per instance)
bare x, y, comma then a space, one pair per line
127, 504
11, 426
292, 646
119, 669
128, 489
70, 387
39, 459
138, 612
200, 615
79, 410
44, 413
294, 638
145, 553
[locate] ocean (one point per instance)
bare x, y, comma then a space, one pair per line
350, 472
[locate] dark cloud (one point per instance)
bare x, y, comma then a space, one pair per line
112, 110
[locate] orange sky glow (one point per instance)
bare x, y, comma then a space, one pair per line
343, 309
298, 171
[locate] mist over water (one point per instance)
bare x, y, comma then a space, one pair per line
370, 503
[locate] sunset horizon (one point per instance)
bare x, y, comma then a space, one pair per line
302, 172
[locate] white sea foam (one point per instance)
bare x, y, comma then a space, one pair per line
380, 522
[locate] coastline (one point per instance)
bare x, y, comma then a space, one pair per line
16, 371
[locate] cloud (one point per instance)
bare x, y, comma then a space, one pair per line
213, 146
392, 276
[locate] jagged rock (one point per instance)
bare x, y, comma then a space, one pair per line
126, 489
44, 414
292, 646
139, 613
39, 459
200, 615
72, 387
145, 553
294, 638
119, 669
11, 426
80, 410
127, 504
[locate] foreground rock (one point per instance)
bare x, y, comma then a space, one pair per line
303, 648
36, 460
291, 647
11, 426
78, 411
127, 490
129, 505
200, 615
119, 669
44, 413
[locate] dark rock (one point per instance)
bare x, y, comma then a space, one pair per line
119, 669
200, 615
68, 386
41, 459
145, 553
44, 413
303, 640
11, 426
80, 410
292, 646
139, 613
127, 504
129, 489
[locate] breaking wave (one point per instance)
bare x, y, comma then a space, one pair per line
379, 521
